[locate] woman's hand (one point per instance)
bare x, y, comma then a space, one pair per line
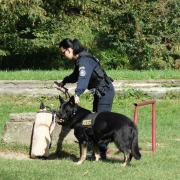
76, 99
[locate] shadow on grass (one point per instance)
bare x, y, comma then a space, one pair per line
62, 155
74, 158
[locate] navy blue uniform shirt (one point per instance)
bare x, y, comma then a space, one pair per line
81, 74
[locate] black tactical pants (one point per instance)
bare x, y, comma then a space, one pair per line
104, 103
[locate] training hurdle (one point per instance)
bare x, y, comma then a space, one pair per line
153, 102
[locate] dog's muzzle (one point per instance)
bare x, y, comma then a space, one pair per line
60, 119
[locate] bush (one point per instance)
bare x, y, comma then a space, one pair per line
111, 59
124, 34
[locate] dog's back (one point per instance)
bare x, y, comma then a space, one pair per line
110, 126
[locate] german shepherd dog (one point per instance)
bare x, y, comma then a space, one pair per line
99, 128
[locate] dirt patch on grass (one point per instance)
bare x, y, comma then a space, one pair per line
14, 155
23, 156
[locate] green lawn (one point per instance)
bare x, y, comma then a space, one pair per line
115, 74
162, 165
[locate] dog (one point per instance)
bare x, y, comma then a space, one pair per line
99, 128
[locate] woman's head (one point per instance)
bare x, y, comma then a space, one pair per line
71, 48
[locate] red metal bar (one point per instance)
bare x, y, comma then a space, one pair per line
136, 115
154, 127
153, 119
145, 102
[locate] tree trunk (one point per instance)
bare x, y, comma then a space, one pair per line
1, 58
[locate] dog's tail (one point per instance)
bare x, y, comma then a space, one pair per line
135, 149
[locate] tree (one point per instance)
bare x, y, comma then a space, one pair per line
124, 33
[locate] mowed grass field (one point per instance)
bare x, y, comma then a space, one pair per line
115, 74
163, 164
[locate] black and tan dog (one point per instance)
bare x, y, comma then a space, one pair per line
100, 128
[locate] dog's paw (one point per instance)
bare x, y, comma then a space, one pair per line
78, 163
97, 159
124, 164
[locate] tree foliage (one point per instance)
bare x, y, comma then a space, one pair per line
130, 34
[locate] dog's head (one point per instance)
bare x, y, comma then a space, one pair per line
66, 110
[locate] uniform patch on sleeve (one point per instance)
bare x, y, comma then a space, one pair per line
82, 67
82, 71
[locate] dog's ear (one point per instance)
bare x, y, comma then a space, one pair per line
42, 106
71, 100
61, 100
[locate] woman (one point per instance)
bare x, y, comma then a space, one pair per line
89, 75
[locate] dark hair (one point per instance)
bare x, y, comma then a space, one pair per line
75, 45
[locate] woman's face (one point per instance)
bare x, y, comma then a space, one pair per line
68, 53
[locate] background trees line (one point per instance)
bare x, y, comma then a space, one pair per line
131, 34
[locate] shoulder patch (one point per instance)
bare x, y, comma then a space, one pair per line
82, 72
82, 67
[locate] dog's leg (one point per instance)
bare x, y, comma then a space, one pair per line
83, 153
96, 152
126, 158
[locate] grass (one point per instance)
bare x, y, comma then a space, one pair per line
115, 74
164, 164
161, 165
150, 167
